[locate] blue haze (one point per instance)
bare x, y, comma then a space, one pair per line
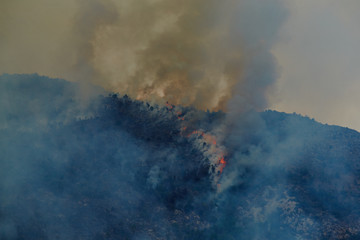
115, 168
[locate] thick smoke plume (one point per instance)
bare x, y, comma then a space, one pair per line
122, 168
194, 52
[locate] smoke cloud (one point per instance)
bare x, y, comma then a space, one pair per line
199, 53
196, 53
118, 168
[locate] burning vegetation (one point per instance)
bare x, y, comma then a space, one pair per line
117, 168
216, 152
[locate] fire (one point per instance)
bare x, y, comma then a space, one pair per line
222, 163
170, 106
215, 152
178, 113
207, 137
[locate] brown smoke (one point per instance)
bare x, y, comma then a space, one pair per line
189, 52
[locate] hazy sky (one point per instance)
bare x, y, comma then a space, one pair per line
317, 50
319, 56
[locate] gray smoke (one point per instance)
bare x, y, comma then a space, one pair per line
194, 52
116, 168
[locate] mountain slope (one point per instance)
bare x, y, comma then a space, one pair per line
108, 167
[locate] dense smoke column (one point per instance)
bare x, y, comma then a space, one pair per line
197, 53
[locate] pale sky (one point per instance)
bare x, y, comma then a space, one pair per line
319, 56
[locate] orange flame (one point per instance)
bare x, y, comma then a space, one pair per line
213, 148
170, 106
178, 113
222, 163
211, 140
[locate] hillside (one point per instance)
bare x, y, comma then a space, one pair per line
108, 167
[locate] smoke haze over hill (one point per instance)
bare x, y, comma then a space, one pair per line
161, 132
116, 168
112, 43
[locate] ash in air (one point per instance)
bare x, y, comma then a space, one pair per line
115, 168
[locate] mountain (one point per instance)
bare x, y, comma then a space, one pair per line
76, 165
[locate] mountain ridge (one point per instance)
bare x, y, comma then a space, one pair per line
116, 168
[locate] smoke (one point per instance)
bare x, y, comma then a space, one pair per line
124, 169
117, 168
193, 53
197, 52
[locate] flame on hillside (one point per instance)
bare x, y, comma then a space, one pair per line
213, 151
